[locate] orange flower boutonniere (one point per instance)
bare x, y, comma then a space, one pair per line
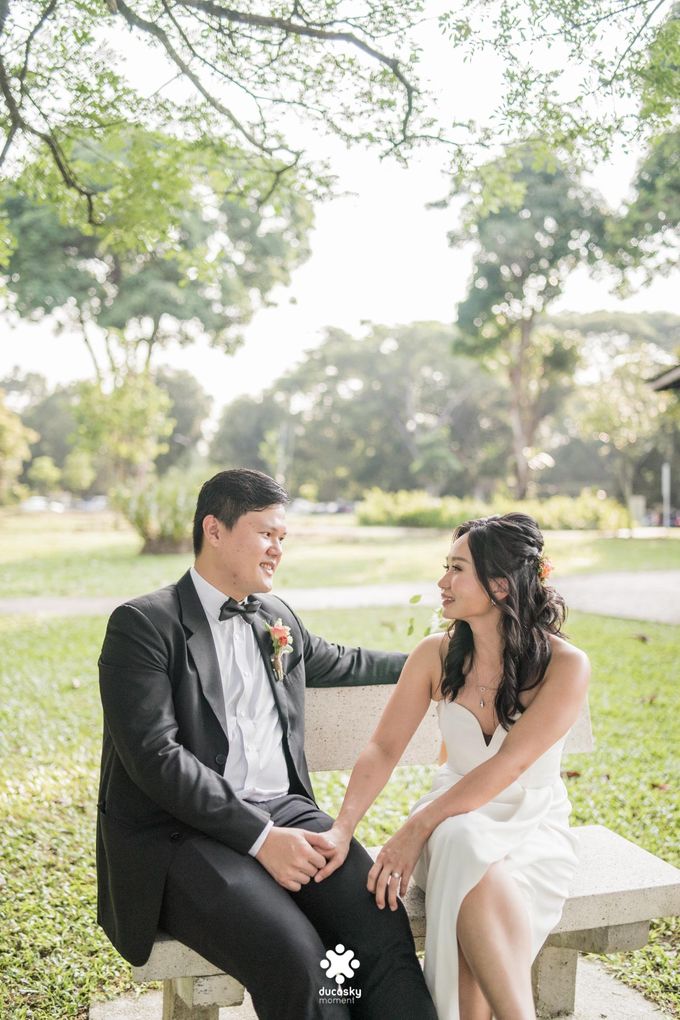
282, 644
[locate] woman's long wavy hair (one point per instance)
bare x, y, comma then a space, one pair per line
508, 548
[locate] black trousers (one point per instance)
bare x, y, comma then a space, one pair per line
228, 908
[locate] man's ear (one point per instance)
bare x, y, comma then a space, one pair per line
500, 588
211, 529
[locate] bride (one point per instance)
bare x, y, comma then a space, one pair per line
490, 844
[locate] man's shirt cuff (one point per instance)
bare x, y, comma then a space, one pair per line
255, 848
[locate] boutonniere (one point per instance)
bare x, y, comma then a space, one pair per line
282, 644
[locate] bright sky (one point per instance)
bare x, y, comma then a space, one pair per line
378, 255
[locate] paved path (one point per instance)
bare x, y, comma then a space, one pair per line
598, 997
640, 595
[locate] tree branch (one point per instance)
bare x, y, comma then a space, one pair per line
632, 42
29, 41
157, 32
312, 32
19, 122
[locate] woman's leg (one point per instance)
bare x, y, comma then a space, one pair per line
494, 936
471, 1001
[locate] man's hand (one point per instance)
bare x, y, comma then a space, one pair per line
293, 856
338, 839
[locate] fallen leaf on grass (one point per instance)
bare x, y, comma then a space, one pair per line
660, 786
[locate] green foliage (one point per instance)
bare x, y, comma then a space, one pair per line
392, 408
44, 475
124, 427
647, 234
51, 417
606, 334
161, 510
78, 472
14, 450
352, 74
199, 272
62, 84
418, 509
189, 408
624, 414
547, 224
626, 56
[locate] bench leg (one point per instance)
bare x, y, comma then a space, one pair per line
554, 981
175, 1008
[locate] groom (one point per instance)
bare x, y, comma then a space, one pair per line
207, 823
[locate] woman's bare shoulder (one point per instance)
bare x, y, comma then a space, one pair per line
433, 647
568, 661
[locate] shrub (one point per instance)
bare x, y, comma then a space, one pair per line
418, 509
161, 510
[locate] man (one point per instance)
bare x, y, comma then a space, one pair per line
207, 822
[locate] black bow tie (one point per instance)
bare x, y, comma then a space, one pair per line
243, 609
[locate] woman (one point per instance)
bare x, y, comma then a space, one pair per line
490, 843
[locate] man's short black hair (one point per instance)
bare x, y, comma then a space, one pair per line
229, 495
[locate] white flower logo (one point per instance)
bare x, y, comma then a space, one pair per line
340, 964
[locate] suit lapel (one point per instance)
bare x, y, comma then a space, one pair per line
202, 647
264, 640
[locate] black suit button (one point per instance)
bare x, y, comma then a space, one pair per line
174, 836
220, 759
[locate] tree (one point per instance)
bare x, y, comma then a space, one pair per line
189, 408
44, 475
646, 236
14, 450
53, 420
526, 246
124, 428
602, 339
78, 473
245, 78
604, 334
224, 257
623, 414
391, 408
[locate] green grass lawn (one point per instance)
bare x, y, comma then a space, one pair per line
86, 555
53, 959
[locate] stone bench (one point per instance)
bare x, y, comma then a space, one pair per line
618, 890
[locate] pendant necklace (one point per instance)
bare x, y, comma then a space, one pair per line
483, 688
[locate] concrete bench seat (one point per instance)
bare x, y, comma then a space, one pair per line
618, 890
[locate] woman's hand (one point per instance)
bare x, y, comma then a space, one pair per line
339, 838
390, 875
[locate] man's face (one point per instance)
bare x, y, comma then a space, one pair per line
243, 560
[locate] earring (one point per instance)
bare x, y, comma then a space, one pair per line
492, 602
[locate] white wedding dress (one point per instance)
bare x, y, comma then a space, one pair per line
526, 826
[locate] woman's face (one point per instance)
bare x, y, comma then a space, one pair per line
463, 597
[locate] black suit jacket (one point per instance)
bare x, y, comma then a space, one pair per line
165, 744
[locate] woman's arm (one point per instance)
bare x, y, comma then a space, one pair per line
402, 714
549, 717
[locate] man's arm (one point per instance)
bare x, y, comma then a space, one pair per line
139, 711
333, 665
330, 665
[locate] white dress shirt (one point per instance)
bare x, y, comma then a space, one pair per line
256, 765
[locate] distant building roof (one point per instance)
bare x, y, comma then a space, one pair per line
668, 380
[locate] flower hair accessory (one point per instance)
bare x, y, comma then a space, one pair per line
282, 644
544, 568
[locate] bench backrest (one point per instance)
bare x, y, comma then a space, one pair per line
339, 721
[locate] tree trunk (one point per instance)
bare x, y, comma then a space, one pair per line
519, 403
